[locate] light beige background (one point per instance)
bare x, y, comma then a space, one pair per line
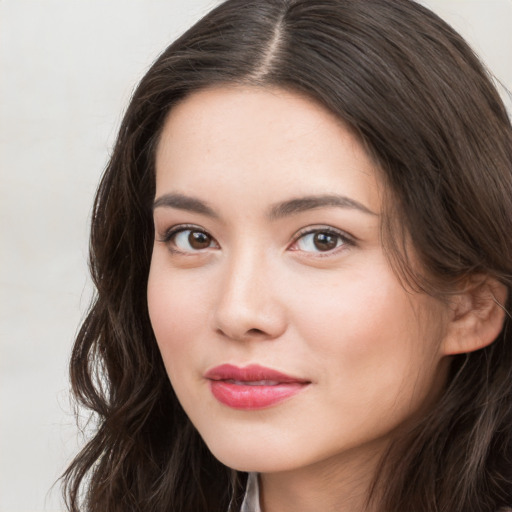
67, 68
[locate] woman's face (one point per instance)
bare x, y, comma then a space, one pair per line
286, 335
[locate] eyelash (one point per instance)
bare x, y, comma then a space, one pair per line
347, 241
169, 234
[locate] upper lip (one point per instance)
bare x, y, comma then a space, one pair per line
251, 373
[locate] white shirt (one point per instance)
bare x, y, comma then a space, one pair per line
251, 501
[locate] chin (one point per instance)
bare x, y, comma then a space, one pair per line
252, 457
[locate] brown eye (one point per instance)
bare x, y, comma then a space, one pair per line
321, 240
325, 241
199, 240
189, 240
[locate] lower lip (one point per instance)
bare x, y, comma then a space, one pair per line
239, 396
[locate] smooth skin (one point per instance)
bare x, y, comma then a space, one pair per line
268, 251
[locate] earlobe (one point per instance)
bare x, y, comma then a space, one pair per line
477, 316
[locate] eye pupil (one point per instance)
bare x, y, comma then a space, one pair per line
325, 241
199, 240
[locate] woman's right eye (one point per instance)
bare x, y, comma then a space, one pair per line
188, 240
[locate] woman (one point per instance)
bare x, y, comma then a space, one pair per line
317, 197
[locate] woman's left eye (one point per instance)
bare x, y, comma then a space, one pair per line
320, 241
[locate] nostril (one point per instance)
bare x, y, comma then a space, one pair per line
257, 332
251, 333
244, 322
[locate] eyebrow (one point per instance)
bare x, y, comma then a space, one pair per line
302, 204
278, 211
183, 202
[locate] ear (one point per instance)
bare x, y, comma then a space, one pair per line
477, 315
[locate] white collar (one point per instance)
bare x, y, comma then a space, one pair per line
251, 501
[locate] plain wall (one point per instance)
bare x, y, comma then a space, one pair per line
67, 69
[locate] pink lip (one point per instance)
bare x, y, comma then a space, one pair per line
252, 387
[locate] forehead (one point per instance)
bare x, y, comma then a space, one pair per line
270, 140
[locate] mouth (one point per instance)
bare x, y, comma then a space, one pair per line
252, 387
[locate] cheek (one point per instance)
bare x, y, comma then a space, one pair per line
371, 336
356, 313
176, 310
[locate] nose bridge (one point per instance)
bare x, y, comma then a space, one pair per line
248, 305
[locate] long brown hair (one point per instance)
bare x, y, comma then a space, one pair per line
427, 111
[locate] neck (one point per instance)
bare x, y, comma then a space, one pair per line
331, 485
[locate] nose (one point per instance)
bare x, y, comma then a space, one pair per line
248, 301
